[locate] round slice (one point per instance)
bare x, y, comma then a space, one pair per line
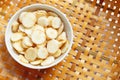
15, 26
52, 14
48, 61
22, 16
60, 30
51, 33
42, 53
38, 27
31, 54
40, 13
61, 43
43, 21
58, 53
37, 62
21, 28
23, 45
29, 20
27, 41
62, 37
22, 59
38, 37
16, 36
56, 22
65, 47
17, 46
29, 31
52, 46
50, 18
25, 30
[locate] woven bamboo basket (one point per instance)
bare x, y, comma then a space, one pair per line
95, 54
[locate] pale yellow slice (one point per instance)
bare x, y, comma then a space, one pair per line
36, 62
52, 46
29, 20
61, 43
50, 18
42, 53
51, 33
48, 61
40, 13
56, 22
62, 37
15, 26
17, 46
60, 30
27, 41
43, 21
52, 14
22, 59
22, 16
31, 54
22, 52
23, 45
38, 37
38, 27
65, 47
16, 36
58, 53
21, 28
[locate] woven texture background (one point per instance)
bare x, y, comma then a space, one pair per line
95, 54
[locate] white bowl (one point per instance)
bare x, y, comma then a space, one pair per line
68, 29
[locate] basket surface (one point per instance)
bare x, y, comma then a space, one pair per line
95, 54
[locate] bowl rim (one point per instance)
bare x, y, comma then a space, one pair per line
7, 40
